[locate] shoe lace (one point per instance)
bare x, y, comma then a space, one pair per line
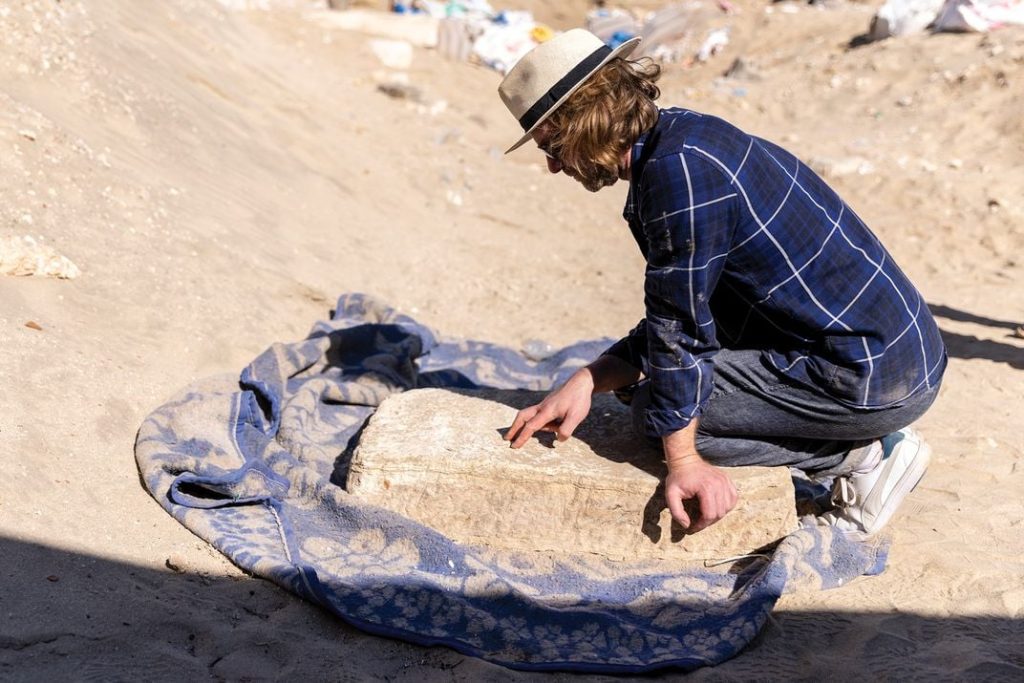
843, 493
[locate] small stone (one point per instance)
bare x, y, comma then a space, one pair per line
53, 578
838, 168
740, 69
401, 91
438, 107
33, 325
175, 563
394, 54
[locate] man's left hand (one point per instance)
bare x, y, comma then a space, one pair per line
691, 477
709, 485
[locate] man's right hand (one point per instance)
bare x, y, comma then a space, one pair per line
560, 412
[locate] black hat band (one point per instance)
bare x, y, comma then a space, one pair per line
564, 85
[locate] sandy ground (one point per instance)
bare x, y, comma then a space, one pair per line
220, 175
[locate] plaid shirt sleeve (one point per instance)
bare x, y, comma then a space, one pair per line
632, 348
687, 216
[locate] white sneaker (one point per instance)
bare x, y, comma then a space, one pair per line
864, 502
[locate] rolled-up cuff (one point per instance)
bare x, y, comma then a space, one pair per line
653, 422
659, 423
625, 350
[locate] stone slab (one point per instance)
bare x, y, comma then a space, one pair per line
437, 456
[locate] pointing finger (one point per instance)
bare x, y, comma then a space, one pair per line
521, 418
532, 425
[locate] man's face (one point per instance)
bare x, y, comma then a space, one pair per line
543, 135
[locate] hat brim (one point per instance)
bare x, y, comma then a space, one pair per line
623, 50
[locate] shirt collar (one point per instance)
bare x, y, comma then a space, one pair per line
636, 170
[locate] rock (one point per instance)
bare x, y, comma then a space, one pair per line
402, 91
838, 168
438, 457
394, 54
26, 256
740, 69
418, 29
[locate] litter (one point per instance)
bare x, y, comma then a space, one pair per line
979, 15
501, 45
715, 41
903, 17
471, 30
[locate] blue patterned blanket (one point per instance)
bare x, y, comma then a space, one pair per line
256, 465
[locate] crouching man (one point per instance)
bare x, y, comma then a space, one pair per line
778, 330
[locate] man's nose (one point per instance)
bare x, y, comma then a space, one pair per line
554, 165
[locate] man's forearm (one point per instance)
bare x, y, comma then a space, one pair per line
691, 478
611, 372
681, 447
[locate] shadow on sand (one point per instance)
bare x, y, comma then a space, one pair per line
970, 347
73, 616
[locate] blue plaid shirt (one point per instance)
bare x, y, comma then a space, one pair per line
747, 248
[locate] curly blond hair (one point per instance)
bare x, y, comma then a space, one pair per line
593, 129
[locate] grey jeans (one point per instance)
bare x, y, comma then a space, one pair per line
756, 416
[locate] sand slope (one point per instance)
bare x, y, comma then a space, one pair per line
220, 175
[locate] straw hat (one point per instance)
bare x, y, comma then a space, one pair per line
545, 78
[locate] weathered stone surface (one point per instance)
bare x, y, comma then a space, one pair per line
437, 456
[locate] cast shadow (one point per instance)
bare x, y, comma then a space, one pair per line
966, 317
74, 616
638, 451
971, 347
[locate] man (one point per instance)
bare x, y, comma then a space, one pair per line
778, 330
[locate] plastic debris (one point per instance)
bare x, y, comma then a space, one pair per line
713, 44
979, 15
903, 17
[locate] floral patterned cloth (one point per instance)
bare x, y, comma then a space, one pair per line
256, 467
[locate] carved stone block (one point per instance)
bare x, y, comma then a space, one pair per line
437, 456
